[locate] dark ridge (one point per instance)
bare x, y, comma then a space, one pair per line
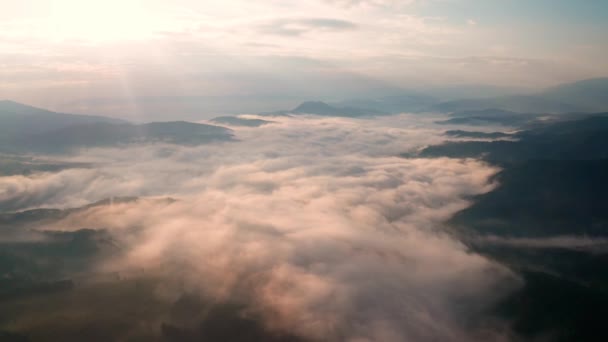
26, 129
578, 140
477, 135
553, 185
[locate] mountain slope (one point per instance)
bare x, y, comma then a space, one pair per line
490, 116
516, 103
28, 119
586, 138
17, 120
547, 219
102, 134
26, 129
394, 104
323, 109
582, 96
592, 93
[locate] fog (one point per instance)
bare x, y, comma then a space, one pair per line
316, 225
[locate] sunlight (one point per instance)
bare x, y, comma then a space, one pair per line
108, 20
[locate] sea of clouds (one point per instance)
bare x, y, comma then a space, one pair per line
317, 224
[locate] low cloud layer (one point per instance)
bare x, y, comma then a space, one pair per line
313, 223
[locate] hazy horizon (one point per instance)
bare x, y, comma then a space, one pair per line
111, 57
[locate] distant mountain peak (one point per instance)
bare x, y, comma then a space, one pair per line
324, 109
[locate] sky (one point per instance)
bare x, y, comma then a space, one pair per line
242, 56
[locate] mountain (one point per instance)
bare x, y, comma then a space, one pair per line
238, 121
26, 129
467, 91
586, 96
494, 116
544, 197
324, 109
8, 107
490, 117
582, 139
477, 135
485, 113
546, 219
591, 94
317, 107
515, 103
24, 165
19, 119
394, 104
103, 134
422, 99
582, 96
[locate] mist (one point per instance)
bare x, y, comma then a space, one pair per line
314, 225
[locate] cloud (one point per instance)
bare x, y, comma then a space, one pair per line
162, 47
298, 27
373, 3
313, 223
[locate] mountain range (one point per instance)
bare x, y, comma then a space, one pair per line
28, 129
582, 96
547, 219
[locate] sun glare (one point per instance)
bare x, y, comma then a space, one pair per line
107, 20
